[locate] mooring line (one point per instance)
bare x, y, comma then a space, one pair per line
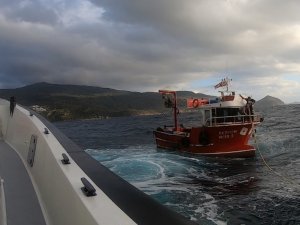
286, 179
283, 178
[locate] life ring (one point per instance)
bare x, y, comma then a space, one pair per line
195, 103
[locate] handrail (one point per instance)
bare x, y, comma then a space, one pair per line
3, 219
232, 119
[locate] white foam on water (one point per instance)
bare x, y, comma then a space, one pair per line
201, 187
208, 209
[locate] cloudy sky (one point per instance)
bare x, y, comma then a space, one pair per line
146, 45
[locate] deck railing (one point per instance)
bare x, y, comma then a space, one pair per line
238, 119
3, 220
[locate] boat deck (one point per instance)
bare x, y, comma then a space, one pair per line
22, 205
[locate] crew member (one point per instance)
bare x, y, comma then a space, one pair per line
13, 103
248, 109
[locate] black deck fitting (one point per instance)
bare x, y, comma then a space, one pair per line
46, 131
65, 159
88, 188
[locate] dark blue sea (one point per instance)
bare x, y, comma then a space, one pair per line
206, 190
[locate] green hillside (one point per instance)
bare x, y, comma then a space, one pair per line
70, 102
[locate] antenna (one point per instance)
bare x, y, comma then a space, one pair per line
227, 83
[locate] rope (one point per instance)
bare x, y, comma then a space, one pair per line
283, 178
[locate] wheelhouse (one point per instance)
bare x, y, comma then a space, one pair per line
216, 116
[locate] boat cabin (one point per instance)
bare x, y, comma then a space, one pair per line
220, 115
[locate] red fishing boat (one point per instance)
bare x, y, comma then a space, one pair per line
226, 126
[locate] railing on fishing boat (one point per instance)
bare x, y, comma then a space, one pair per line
238, 119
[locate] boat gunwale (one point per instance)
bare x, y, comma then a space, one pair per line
139, 206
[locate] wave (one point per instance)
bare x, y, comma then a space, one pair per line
207, 190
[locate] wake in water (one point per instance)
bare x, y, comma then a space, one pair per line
194, 186
173, 179
207, 190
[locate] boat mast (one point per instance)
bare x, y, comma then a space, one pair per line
174, 106
227, 80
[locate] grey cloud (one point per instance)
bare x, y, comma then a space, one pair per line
42, 54
207, 25
144, 45
36, 14
29, 11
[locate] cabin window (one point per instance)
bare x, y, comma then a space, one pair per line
207, 117
226, 114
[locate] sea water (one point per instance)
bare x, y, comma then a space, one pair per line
206, 190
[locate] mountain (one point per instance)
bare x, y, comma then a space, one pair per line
268, 102
69, 102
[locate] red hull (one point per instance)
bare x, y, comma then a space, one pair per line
225, 140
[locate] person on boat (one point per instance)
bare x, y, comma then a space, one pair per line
13, 103
248, 109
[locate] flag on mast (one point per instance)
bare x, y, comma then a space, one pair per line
223, 83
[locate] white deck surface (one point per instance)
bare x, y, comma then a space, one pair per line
22, 206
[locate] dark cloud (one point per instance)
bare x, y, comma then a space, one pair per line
35, 14
29, 11
146, 45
